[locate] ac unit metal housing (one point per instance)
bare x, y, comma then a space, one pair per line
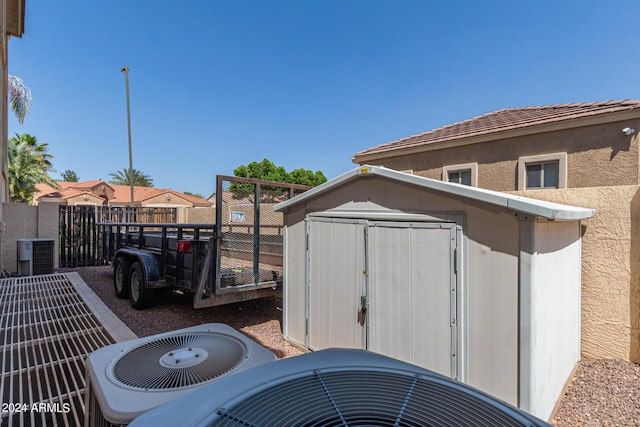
337, 387
36, 256
127, 379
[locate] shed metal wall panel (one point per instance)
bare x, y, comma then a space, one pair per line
411, 302
336, 282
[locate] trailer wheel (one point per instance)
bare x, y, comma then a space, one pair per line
139, 295
121, 268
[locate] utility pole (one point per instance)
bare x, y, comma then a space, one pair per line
125, 70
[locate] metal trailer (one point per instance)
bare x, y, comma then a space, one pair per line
236, 259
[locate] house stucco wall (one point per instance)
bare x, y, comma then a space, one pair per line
610, 268
597, 156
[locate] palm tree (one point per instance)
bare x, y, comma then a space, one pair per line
19, 97
28, 164
122, 177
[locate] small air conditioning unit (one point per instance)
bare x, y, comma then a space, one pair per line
337, 387
35, 256
127, 379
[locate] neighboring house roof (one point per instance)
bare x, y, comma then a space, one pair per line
506, 123
526, 205
121, 193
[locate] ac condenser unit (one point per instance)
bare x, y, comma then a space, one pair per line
337, 388
127, 379
35, 256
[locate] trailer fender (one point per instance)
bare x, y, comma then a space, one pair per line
149, 262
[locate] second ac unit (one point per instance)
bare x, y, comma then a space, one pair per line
127, 379
337, 387
35, 256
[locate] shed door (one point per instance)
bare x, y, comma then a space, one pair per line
335, 282
412, 293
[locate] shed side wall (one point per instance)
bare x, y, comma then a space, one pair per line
294, 319
550, 339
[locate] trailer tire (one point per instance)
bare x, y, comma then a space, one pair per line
139, 296
121, 268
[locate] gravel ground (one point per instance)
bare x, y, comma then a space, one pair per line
602, 393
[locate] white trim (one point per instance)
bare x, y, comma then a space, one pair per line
526, 205
541, 158
473, 167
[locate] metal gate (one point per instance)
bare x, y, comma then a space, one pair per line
250, 232
78, 231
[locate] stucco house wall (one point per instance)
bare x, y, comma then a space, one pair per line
12, 16
610, 268
602, 146
597, 155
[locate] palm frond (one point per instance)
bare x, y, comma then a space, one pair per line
19, 97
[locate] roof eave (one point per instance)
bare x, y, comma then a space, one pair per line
15, 17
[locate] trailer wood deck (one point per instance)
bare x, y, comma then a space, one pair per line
48, 326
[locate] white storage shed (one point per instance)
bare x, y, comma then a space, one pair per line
475, 284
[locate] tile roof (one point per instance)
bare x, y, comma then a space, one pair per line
503, 120
122, 193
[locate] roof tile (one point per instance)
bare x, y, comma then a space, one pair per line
503, 120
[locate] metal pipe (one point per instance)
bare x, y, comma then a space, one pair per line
125, 70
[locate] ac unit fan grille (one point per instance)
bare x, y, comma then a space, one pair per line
179, 361
365, 398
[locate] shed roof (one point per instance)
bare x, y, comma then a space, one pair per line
539, 208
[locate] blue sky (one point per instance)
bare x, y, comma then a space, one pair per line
216, 84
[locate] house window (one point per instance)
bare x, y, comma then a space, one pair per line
460, 177
466, 174
542, 171
542, 175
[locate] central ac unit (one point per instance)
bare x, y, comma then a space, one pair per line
35, 256
127, 379
337, 387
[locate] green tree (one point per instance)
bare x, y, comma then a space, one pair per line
19, 97
138, 178
267, 170
29, 163
69, 176
306, 177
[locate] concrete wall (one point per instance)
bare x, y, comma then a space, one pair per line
610, 268
196, 215
23, 221
597, 156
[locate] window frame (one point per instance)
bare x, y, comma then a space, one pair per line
523, 161
462, 167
